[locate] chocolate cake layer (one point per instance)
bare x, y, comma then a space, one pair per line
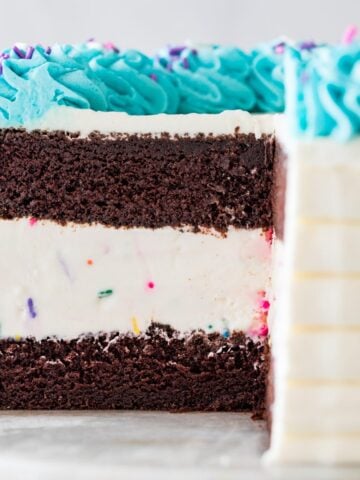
159, 370
137, 180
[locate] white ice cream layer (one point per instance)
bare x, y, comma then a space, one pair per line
86, 121
67, 281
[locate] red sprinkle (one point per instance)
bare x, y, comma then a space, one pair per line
32, 221
89, 261
151, 284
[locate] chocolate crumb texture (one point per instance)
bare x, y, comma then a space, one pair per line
137, 181
158, 370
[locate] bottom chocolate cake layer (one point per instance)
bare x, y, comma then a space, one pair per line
160, 370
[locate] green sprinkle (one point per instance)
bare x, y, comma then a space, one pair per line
105, 293
210, 327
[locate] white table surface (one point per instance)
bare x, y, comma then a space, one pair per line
140, 445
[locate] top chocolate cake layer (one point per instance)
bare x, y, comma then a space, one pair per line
137, 181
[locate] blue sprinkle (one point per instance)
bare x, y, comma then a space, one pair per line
226, 333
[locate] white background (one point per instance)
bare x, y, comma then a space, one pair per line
150, 24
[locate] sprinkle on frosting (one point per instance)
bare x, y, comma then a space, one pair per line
350, 34
31, 308
308, 45
105, 293
89, 261
151, 285
32, 221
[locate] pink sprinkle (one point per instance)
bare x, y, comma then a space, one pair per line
111, 46
349, 34
151, 285
32, 221
269, 233
279, 49
265, 304
263, 331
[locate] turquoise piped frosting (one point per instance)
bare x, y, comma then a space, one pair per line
209, 79
267, 79
323, 91
82, 76
214, 78
322, 83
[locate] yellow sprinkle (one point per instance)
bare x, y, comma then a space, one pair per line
135, 326
17, 337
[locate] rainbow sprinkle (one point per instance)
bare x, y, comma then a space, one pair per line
32, 221
279, 49
89, 261
111, 46
151, 285
31, 308
105, 293
135, 326
349, 34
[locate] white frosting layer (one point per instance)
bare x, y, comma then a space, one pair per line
189, 280
316, 336
86, 121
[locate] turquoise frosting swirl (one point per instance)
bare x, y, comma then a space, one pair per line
214, 78
323, 91
83, 76
209, 79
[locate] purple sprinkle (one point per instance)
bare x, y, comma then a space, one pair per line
194, 51
89, 40
175, 51
48, 50
185, 63
6, 56
29, 52
307, 45
1, 69
30, 304
153, 76
169, 67
18, 52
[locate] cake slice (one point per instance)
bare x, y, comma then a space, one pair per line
136, 227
